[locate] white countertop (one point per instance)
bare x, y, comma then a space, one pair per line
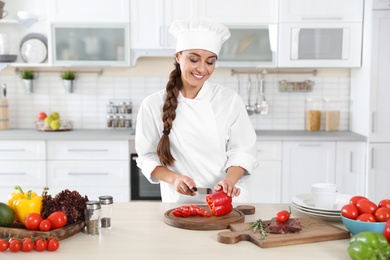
128, 134
139, 232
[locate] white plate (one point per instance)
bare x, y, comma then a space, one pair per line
33, 48
306, 201
315, 211
326, 216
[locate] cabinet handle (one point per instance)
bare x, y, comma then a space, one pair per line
88, 173
372, 158
310, 145
162, 32
87, 150
12, 173
12, 150
373, 122
350, 161
333, 18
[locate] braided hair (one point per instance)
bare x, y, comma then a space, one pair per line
173, 87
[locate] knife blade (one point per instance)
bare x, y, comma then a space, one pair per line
202, 190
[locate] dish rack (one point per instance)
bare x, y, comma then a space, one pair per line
296, 86
119, 113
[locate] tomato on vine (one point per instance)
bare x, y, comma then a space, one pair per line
4, 244
283, 216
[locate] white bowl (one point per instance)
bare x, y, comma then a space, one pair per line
24, 15
324, 187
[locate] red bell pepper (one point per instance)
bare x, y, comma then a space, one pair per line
386, 231
219, 203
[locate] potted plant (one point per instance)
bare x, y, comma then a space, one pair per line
27, 76
67, 78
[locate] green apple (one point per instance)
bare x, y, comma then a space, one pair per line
48, 120
55, 115
55, 124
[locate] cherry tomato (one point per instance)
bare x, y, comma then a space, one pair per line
382, 214
386, 231
4, 244
57, 219
384, 203
40, 244
355, 199
366, 217
366, 206
349, 211
27, 244
45, 225
53, 244
14, 245
282, 216
32, 221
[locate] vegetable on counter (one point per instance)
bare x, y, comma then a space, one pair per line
386, 231
283, 216
190, 210
17, 195
219, 203
27, 205
369, 245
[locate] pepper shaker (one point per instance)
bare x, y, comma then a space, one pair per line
106, 203
92, 217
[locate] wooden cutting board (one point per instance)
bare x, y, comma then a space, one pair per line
20, 231
313, 230
209, 223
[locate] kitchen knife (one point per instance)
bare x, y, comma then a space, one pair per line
202, 190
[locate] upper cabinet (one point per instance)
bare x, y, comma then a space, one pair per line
114, 11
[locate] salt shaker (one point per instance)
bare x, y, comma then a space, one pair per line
92, 216
106, 203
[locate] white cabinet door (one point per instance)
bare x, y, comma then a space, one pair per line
305, 163
379, 172
319, 10
380, 90
22, 150
234, 12
112, 11
264, 183
350, 167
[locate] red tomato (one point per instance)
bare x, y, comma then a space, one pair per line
45, 225
386, 231
57, 219
14, 245
32, 221
282, 216
366, 217
384, 203
366, 206
355, 199
382, 214
27, 244
40, 244
53, 244
4, 244
349, 211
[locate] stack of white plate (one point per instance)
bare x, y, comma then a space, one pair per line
305, 204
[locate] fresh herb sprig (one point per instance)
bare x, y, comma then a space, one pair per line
258, 225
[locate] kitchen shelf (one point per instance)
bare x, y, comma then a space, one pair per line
296, 86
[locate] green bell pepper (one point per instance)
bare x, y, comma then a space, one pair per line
369, 246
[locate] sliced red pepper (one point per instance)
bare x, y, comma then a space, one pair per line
219, 203
386, 231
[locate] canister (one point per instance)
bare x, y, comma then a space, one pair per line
332, 114
313, 114
106, 203
92, 217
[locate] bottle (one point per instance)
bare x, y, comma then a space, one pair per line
106, 203
92, 217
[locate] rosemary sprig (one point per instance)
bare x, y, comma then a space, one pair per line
258, 225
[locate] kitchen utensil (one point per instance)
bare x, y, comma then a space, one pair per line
209, 223
249, 108
258, 105
313, 230
264, 104
306, 201
202, 190
356, 226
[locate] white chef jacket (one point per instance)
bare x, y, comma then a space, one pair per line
209, 134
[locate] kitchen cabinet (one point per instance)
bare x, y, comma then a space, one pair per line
305, 163
379, 172
264, 183
114, 11
93, 168
22, 163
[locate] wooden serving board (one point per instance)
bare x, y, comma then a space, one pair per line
20, 231
209, 223
313, 230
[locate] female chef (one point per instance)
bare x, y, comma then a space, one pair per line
195, 133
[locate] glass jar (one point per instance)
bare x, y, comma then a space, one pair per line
129, 108
109, 107
92, 217
106, 203
313, 114
109, 121
332, 115
122, 121
123, 108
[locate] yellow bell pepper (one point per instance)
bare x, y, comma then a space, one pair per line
17, 195
27, 205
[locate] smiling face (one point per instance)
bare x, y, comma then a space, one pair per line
196, 67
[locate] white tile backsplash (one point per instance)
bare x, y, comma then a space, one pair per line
86, 107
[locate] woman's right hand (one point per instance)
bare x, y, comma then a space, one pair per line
184, 185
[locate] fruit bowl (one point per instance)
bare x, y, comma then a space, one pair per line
355, 226
65, 125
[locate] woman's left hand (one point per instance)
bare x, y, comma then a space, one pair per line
228, 187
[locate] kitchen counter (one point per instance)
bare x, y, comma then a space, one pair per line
139, 232
128, 134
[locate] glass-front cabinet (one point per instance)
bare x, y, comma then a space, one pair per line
90, 44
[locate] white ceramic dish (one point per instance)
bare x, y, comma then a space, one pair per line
321, 215
33, 48
306, 202
8, 58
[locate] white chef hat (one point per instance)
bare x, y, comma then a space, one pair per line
199, 33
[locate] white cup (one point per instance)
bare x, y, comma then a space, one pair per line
324, 195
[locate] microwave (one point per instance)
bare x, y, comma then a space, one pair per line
251, 47
327, 45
